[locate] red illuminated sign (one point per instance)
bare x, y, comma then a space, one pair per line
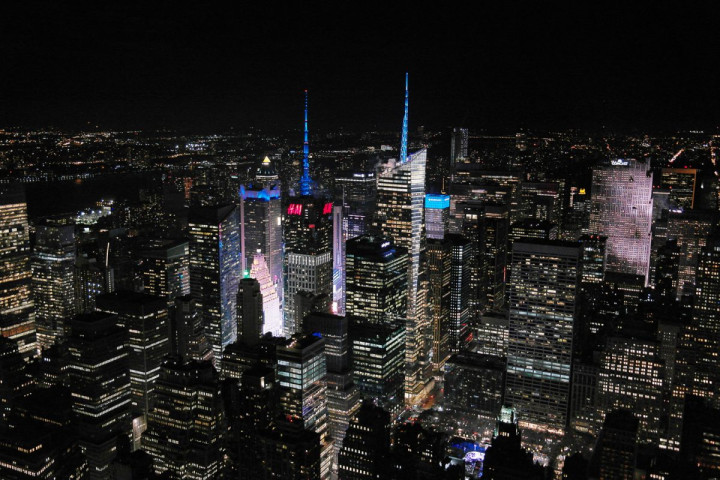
327, 208
295, 209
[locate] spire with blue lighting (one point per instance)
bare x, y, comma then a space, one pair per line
305, 181
404, 138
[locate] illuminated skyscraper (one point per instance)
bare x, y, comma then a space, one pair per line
100, 388
165, 268
690, 229
215, 272
355, 191
376, 273
400, 216
308, 253
261, 222
544, 282
186, 428
622, 211
458, 145
53, 265
145, 318
681, 183
17, 316
302, 376
437, 215
272, 314
338, 249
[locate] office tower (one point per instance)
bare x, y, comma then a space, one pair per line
399, 216
253, 411
187, 335
378, 355
458, 145
307, 302
376, 276
342, 395
701, 431
493, 334
631, 377
583, 389
487, 226
165, 268
289, 451
53, 265
503, 187
302, 376
462, 253
145, 318
17, 315
621, 210
690, 230
506, 458
615, 454
355, 191
543, 310
437, 215
593, 259
90, 281
272, 314
475, 191
680, 182
338, 249
542, 200
100, 385
215, 271
185, 432
667, 270
261, 222
474, 384
249, 311
420, 453
15, 379
308, 253
439, 255
365, 451
531, 228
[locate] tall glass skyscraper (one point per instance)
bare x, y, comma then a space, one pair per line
17, 317
53, 266
621, 210
543, 290
215, 272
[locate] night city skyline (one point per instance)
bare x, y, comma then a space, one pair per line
297, 242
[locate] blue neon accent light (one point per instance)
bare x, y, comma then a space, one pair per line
305, 181
404, 138
437, 201
264, 194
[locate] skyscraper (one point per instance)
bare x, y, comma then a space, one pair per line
165, 268
690, 229
100, 388
261, 222
338, 249
355, 191
53, 265
367, 445
17, 317
145, 318
272, 314
342, 394
458, 145
302, 376
622, 211
249, 311
543, 309
376, 279
215, 271
186, 427
437, 215
308, 253
615, 454
400, 216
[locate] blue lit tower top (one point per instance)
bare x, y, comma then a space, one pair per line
305, 181
404, 138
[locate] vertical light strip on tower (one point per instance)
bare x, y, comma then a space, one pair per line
404, 139
305, 182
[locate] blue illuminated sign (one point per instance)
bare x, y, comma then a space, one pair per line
437, 201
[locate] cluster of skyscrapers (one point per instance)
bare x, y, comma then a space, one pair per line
291, 331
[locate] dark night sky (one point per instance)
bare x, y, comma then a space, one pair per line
507, 65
